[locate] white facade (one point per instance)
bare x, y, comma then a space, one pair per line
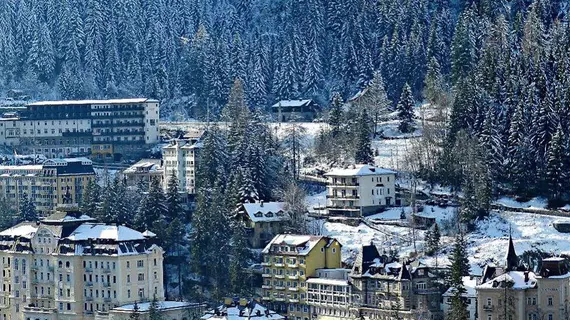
180, 159
63, 128
329, 294
359, 190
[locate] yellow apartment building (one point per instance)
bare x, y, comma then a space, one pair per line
288, 260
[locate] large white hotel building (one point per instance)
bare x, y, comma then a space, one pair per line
106, 129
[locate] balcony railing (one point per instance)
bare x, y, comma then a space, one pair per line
344, 184
343, 196
488, 307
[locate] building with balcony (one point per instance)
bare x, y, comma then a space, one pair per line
329, 294
105, 129
263, 221
384, 288
180, 159
68, 266
47, 184
143, 172
359, 190
512, 292
288, 260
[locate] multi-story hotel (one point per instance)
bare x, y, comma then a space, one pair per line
180, 160
359, 190
511, 292
68, 266
105, 129
47, 184
288, 261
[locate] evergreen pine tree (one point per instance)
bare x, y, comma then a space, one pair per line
27, 210
459, 268
173, 201
406, 110
363, 143
152, 209
555, 167
335, 114
91, 198
153, 310
239, 257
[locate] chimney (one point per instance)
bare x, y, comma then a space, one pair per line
526, 276
261, 203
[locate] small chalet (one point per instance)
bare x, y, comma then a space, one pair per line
263, 221
295, 110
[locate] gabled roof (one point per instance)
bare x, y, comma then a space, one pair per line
358, 170
23, 229
404, 273
101, 231
292, 103
515, 280
303, 243
266, 211
365, 258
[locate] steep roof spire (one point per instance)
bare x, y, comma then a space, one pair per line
512, 258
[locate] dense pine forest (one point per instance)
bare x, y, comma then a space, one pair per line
188, 52
501, 67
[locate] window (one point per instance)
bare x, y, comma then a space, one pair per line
550, 317
489, 317
549, 301
489, 301
141, 277
140, 263
128, 278
128, 264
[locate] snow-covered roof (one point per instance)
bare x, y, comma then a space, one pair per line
30, 167
24, 229
252, 311
161, 305
82, 102
517, 278
100, 231
332, 282
266, 211
303, 243
358, 170
469, 283
291, 103
145, 165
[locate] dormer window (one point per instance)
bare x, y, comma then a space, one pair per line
269, 214
258, 214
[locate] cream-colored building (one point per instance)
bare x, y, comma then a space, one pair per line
106, 129
329, 294
513, 293
360, 190
180, 160
47, 184
68, 266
